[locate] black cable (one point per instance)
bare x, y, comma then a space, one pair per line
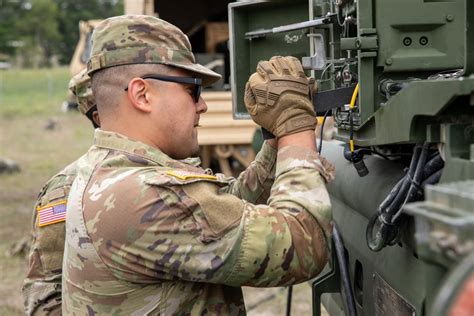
351, 128
431, 174
401, 194
389, 199
415, 182
380, 154
322, 130
425, 168
346, 282
288, 301
387, 232
389, 229
433, 165
432, 179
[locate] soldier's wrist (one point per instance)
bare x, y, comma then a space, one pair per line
306, 139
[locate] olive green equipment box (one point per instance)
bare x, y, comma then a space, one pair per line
397, 78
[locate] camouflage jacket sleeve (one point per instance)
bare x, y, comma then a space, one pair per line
42, 285
255, 182
192, 231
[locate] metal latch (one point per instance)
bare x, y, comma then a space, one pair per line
318, 60
360, 43
288, 28
366, 43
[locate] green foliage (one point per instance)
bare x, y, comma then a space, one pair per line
8, 14
73, 11
37, 30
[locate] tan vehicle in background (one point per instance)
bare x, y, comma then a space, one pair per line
226, 143
80, 57
83, 47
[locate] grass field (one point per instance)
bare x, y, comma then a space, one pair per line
30, 100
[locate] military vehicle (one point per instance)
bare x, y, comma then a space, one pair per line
397, 78
80, 57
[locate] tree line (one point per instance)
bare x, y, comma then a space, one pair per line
41, 33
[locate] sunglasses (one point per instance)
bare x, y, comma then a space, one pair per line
197, 82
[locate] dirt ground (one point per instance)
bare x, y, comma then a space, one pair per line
40, 153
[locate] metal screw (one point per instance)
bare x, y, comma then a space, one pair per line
449, 17
388, 61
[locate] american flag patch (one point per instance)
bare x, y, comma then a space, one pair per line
52, 213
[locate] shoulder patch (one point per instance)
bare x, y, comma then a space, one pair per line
185, 175
52, 213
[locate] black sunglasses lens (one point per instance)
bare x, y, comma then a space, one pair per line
197, 92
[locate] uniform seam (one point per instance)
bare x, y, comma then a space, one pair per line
269, 172
241, 254
83, 224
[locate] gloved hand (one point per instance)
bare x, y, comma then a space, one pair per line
276, 96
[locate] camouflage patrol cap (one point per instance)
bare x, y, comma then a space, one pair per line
142, 39
80, 86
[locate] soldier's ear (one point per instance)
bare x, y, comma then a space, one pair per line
96, 118
139, 93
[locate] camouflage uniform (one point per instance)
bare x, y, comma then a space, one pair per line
147, 234
42, 286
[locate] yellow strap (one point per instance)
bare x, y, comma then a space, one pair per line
351, 145
185, 176
354, 96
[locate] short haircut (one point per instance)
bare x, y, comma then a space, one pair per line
108, 84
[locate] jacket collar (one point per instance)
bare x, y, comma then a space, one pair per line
116, 141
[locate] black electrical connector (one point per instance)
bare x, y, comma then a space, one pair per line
357, 159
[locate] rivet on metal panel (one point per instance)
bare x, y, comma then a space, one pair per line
423, 40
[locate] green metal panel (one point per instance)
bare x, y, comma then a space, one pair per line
444, 234
469, 38
367, 93
445, 222
398, 121
418, 35
245, 54
459, 152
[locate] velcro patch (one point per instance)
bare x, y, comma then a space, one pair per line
52, 213
185, 175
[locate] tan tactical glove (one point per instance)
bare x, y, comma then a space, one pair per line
276, 96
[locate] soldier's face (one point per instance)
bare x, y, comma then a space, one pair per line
177, 117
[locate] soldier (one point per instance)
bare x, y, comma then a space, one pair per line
80, 86
42, 286
150, 232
